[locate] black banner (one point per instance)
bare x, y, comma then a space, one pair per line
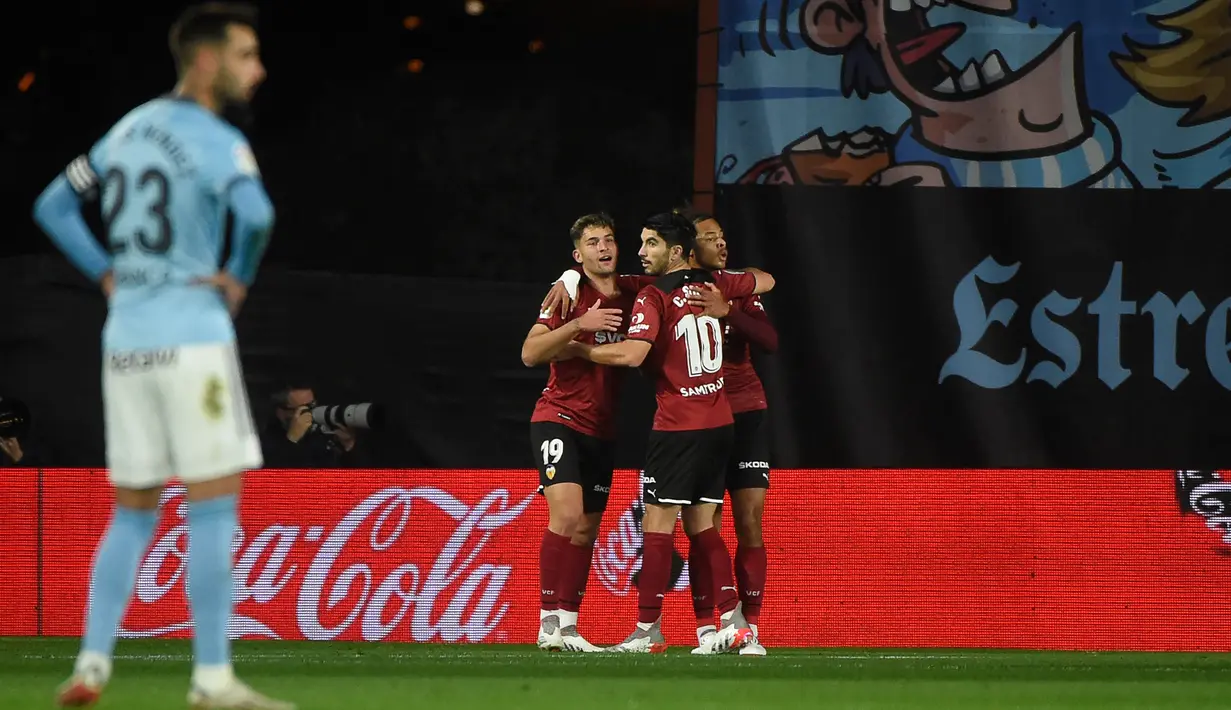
993, 328
443, 355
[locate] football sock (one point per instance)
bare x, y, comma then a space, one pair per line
654, 578
750, 564
715, 550
114, 576
211, 530
574, 569
549, 571
700, 579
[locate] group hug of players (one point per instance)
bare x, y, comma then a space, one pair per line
688, 324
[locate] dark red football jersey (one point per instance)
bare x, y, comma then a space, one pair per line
580, 394
743, 385
686, 358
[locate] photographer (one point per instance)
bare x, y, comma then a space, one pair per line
292, 438
14, 425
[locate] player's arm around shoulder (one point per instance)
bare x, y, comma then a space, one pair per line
751, 321
642, 330
626, 353
551, 338
749, 281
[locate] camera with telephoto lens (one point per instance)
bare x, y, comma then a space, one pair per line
329, 417
14, 418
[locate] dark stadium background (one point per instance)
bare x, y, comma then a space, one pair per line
472, 167
456, 183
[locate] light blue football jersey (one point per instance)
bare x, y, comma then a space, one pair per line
165, 172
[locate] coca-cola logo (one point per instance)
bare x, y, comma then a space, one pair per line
333, 579
617, 555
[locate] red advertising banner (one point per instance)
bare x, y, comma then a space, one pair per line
19, 560
1111, 560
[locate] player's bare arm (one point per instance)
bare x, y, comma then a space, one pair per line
543, 344
627, 353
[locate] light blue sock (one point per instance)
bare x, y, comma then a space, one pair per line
211, 528
114, 575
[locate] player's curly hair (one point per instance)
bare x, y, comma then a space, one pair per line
204, 24
674, 228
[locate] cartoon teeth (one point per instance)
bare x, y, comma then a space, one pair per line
865, 141
993, 68
969, 80
976, 75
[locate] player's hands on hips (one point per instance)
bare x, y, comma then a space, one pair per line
232, 290
709, 299
299, 425
557, 297
597, 319
12, 448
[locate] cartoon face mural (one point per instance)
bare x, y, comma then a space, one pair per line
969, 93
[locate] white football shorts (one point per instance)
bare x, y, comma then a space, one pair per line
177, 412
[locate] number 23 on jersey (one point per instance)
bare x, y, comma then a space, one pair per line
152, 195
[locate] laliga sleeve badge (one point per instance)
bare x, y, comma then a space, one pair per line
245, 161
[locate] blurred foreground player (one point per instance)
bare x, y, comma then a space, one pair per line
572, 430
174, 397
745, 323
692, 434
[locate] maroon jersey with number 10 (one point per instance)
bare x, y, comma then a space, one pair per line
580, 394
686, 358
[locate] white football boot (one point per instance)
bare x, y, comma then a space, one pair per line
753, 647
550, 638
236, 695
705, 644
641, 640
574, 642
734, 633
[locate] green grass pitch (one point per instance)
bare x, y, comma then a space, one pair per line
153, 675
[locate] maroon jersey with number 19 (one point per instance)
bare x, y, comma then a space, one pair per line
686, 358
580, 394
